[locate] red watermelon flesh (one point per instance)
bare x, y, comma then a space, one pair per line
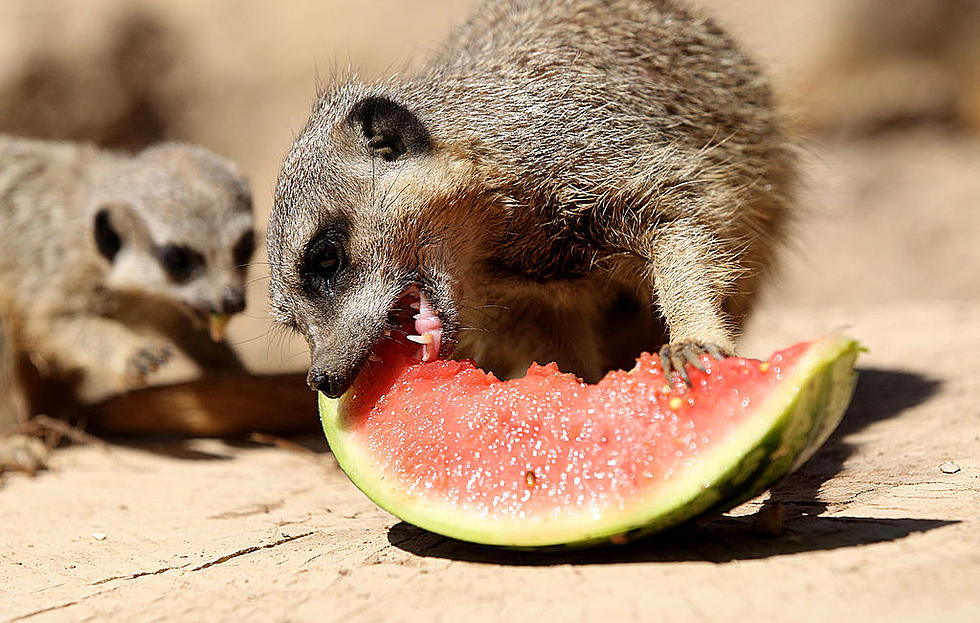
547, 459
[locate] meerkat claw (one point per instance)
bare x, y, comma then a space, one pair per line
692, 354
714, 351
149, 360
673, 360
676, 357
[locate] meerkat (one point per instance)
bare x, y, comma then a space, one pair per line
566, 180
893, 63
109, 260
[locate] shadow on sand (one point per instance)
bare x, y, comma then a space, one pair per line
718, 539
880, 394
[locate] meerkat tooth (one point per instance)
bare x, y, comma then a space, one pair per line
420, 339
373, 357
415, 305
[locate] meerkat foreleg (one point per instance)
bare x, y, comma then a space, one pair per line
93, 343
691, 276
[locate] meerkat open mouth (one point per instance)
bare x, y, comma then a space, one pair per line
204, 319
417, 319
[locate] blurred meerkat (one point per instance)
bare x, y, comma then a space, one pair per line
567, 180
894, 62
108, 260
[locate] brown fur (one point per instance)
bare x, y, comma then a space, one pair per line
562, 172
219, 405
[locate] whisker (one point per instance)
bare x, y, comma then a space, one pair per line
251, 281
251, 339
255, 316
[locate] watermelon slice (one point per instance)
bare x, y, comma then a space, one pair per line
548, 460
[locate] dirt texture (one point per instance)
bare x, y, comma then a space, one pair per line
883, 524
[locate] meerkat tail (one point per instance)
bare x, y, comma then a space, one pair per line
217, 406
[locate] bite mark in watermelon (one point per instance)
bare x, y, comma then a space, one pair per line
548, 460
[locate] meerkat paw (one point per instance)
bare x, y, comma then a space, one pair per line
22, 453
143, 361
676, 356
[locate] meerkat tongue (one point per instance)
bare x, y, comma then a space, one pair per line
429, 329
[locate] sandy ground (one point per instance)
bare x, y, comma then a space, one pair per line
203, 529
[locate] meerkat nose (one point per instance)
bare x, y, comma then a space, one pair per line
233, 301
331, 385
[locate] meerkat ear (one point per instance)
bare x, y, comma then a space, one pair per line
391, 130
112, 224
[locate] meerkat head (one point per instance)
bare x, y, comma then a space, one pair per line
175, 222
373, 227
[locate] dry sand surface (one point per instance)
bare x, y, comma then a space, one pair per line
203, 529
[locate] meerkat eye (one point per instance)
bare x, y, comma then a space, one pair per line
181, 263
327, 261
323, 259
243, 249
107, 239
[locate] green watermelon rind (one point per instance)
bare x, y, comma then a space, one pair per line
796, 419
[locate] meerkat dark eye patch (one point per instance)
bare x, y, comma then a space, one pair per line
107, 239
243, 249
324, 258
180, 262
391, 130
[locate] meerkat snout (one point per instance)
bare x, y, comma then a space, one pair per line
357, 260
233, 300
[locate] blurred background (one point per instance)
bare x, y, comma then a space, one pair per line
884, 95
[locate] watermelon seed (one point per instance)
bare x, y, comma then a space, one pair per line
529, 478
